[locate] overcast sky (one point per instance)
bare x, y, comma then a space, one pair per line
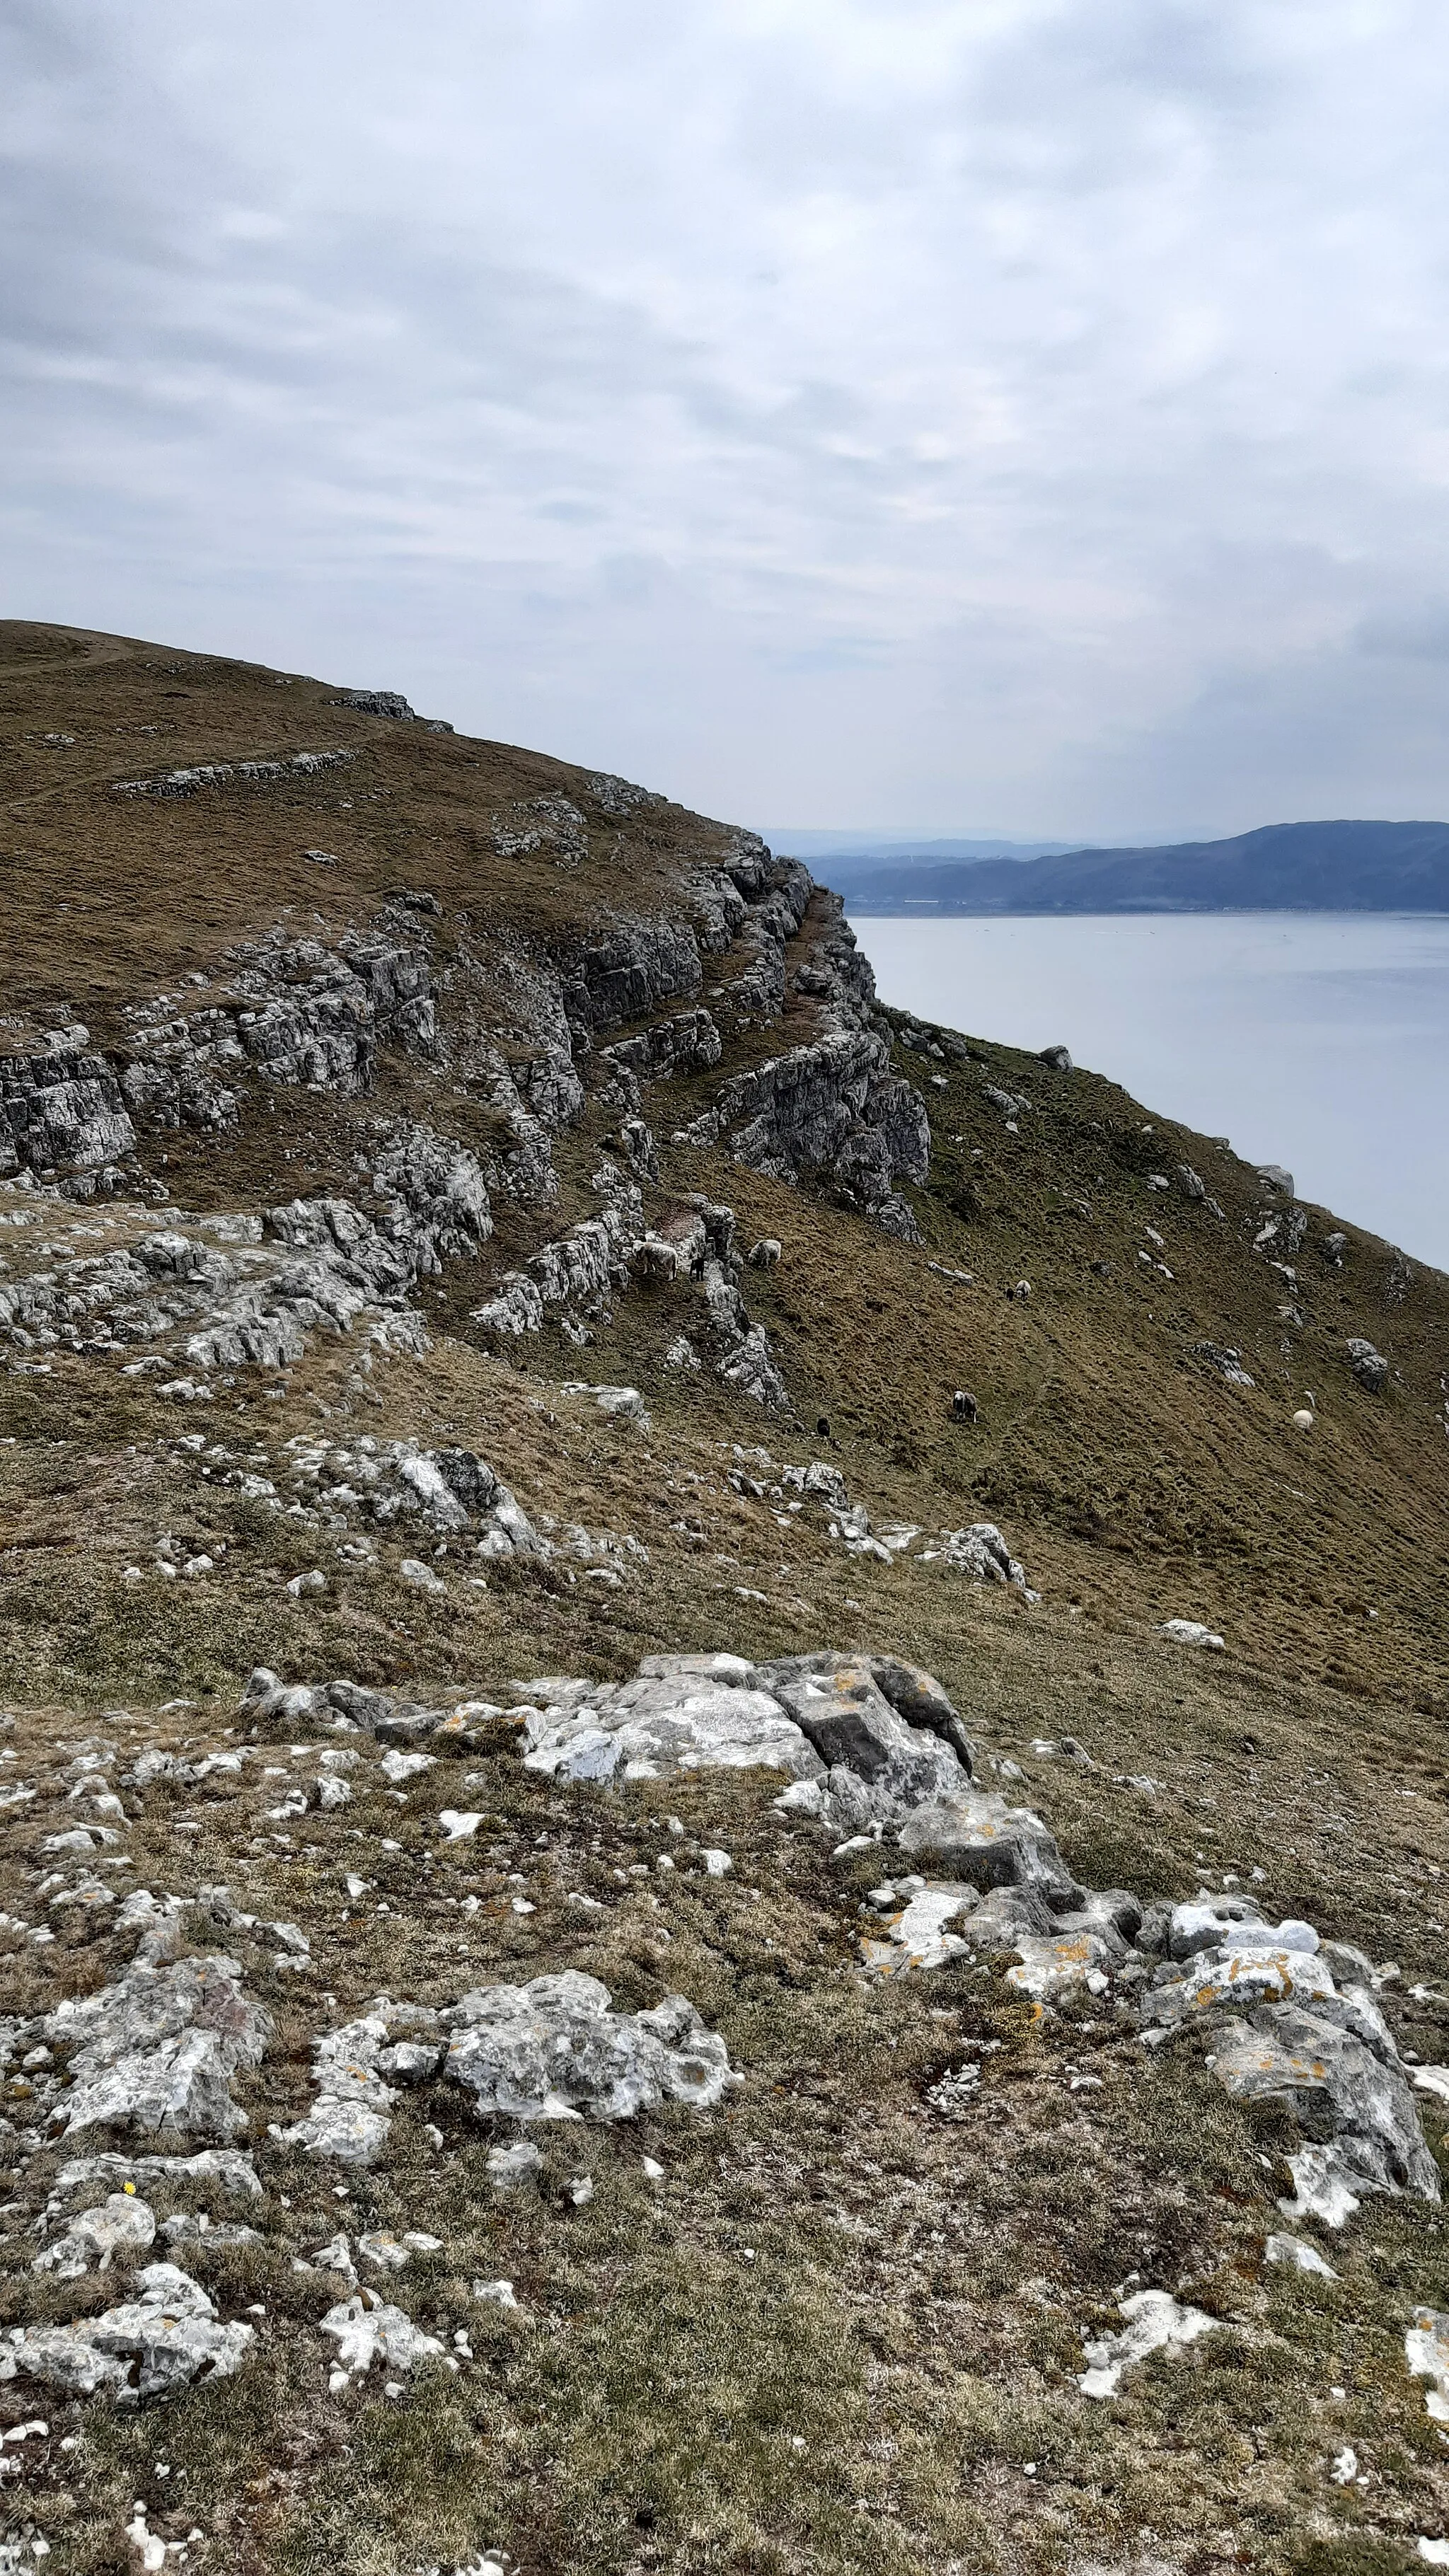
997, 415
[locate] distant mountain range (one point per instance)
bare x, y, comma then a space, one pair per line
823, 849
1283, 867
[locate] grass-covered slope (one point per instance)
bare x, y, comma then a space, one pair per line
838, 2330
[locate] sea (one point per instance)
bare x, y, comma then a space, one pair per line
1316, 1040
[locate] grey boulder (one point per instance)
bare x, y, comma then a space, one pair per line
1294, 2023
554, 2050
1368, 1365
881, 1768
156, 2051
977, 1837
664, 1722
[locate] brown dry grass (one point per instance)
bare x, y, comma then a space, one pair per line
411, 808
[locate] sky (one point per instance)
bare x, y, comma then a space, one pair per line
994, 416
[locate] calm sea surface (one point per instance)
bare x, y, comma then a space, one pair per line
1318, 1040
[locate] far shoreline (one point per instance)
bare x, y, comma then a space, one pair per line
929, 908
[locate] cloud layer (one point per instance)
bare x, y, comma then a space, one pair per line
972, 414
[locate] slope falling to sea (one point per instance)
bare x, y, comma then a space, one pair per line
1320, 1041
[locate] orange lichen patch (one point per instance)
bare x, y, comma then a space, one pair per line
1050, 1966
1273, 1974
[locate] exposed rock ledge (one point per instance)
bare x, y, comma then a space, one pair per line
874, 1753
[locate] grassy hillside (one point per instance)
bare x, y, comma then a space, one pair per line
841, 2332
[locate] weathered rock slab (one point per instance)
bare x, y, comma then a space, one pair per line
151, 2347
555, 2050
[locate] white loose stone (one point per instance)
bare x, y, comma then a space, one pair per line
420, 1576
1153, 2322
366, 2329
1299, 2256
1426, 2350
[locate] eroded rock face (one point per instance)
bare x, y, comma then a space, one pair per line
643, 964
296, 1012
689, 1042
832, 1107
554, 2050
240, 1291
61, 1112
603, 1255
253, 1291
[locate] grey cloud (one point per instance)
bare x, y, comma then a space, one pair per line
1416, 635
911, 406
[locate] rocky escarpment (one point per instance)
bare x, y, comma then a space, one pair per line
296, 1014
239, 1291
165, 785
572, 1277
287, 1014
832, 1107
325, 1016
217, 1293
